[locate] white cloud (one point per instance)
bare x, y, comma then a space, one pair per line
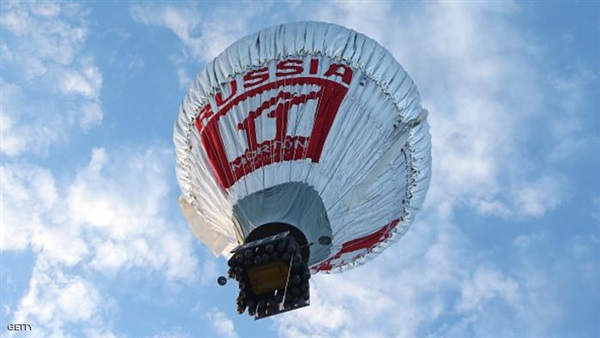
184, 80
468, 67
181, 21
49, 83
45, 36
122, 201
176, 332
90, 115
352, 14
474, 72
222, 325
483, 287
595, 213
55, 300
537, 197
493, 207
210, 272
201, 30
14, 131
28, 194
85, 82
109, 218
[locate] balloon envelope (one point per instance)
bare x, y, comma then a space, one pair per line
307, 124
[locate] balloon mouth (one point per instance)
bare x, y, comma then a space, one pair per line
271, 229
293, 207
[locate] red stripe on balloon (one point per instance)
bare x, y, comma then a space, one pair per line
367, 242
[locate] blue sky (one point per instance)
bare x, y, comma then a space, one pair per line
507, 243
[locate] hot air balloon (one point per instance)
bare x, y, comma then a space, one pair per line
300, 149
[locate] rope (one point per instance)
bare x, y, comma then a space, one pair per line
287, 282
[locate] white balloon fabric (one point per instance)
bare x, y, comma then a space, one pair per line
309, 124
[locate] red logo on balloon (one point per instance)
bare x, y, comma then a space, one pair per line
283, 98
